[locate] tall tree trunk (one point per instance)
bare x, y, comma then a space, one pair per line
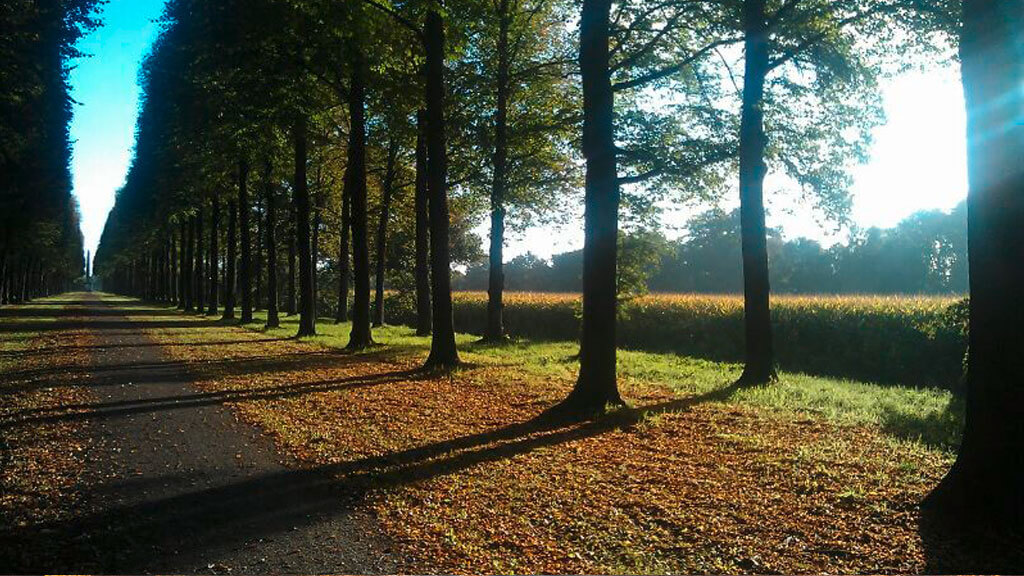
495, 331
182, 268
984, 486
268, 198
200, 284
314, 250
443, 353
760, 362
258, 260
343, 256
214, 255
232, 258
382, 230
307, 309
423, 311
245, 241
290, 305
596, 386
360, 336
190, 266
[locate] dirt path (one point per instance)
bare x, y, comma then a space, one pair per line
179, 486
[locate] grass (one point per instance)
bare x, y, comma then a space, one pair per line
930, 416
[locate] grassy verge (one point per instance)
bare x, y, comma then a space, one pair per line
931, 416
812, 475
40, 462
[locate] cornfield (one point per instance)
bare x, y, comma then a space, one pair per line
913, 341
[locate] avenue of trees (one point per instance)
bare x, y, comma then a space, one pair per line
278, 139
40, 241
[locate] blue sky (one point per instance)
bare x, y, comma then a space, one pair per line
918, 159
103, 129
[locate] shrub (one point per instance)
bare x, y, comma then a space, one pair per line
915, 341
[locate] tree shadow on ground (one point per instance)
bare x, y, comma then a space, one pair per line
941, 430
127, 538
954, 547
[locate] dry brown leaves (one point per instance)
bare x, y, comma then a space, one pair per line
41, 462
463, 480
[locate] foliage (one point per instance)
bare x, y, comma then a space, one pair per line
695, 478
39, 219
925, 254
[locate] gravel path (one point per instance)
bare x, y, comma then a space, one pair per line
181, 487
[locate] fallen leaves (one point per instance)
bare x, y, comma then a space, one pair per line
464, 479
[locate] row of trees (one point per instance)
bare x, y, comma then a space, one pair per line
40, 241
924, 254
447, 92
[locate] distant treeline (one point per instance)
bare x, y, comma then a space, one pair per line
924, 254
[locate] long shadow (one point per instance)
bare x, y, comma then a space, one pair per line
123, 538
49, 350
106, 410
953, 546
74, 312
141, 372
84, 324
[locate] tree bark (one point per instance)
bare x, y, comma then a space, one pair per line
343, 256
382, 230
760, 362
182, 268
245, 241
258, 260
290, 305
189, 268
983, 489
300, 186
360, 336
596, 386
200, 284
495, 331
229, 265
214, 255
443, 353
423, 311
268, 198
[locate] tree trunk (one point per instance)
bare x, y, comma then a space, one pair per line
229, 266
423, 311
495, 331
200, 284
596, 386
314, 250
360, 336
245, 241
290, 305
307, 310
258, 260
760, 362
190, 267
382, 231
983, 489
343, 257
443, 353
268, 198
214, 255
182, 267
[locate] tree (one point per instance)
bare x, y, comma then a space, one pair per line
984, 483
360, 336
597, 385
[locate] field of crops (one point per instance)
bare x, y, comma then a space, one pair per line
913, 341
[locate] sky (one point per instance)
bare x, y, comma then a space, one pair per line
918, 160
103, 128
